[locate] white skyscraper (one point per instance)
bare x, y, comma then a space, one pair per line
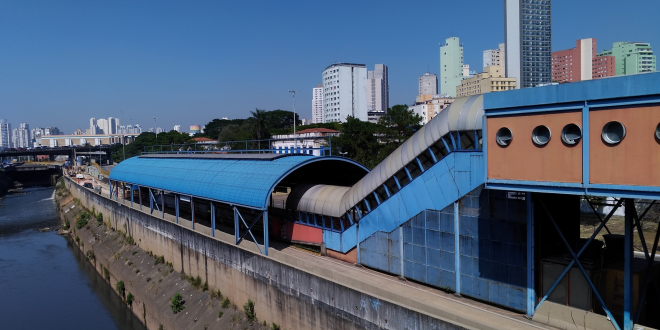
378, 95
102, 126
5, 134
177, 128
344, 92
21, 136
317, 104
495, 57
113, 126
93, 126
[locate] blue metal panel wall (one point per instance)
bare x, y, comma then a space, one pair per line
492, 248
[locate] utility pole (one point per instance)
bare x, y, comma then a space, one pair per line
295, 139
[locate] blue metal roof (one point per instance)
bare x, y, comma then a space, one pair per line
598, 89
246, 182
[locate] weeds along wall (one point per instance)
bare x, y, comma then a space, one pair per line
282, 293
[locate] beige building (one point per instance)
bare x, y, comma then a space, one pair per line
491, 80
430, 107
93, 140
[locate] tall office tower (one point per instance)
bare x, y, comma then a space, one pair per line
451, 66
528, 41
317, 104
21, 136
176, 128
574, 64
5, 134
137, 129
113, 126
344, 92
428, 84
378, 94
631, 57
495, 57
93, 126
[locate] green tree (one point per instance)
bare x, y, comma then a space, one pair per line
260, 123
358, 141
400, 122
176, 303
120, 288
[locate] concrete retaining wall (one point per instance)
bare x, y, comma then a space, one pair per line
283, 294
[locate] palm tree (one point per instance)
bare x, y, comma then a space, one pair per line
260, 125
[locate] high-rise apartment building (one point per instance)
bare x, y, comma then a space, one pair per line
574, 64
344, 92
491, 80
428, 84
378, 92
451, 66
495, 57
631, 57
603, 66
176, 128
113, 126
21, 136
5, 134
93, 126
52, 131
317, 104
528, 41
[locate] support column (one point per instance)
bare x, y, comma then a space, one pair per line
212, 219
176, 206
627, 266
457, 249
357, 236
131, 196
110, 184
235, 225
151, 202
266, 232
162, 204
403, 273
140, 196
531, 293
192, 211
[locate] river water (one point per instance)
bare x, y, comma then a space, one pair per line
45, 281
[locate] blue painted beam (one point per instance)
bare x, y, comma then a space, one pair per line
212, 219
531, 293
627, 266
457, 249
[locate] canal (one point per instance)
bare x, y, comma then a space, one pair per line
45, 281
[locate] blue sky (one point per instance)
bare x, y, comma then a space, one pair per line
62, 62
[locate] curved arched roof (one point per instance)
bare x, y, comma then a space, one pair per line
243, 180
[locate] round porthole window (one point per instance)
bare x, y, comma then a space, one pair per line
541, 135
613, 132
657, 132
503, 136
571, 134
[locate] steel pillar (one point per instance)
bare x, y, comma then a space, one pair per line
627, 266
357, 237
176, 206
212, 219
151, 202
265, 232
531, 293
162, 204
131, 195
457, 249
192, 211
140, 196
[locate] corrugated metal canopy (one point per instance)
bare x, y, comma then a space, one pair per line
247, 182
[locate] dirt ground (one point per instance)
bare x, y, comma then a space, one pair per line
589, 224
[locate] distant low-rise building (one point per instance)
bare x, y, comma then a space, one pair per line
491, 80
431, 107
308, 141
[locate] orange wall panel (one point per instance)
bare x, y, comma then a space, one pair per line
523, 160
634, 161
350, 256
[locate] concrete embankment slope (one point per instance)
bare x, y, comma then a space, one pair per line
292, 288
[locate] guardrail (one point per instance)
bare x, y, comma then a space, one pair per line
247, 146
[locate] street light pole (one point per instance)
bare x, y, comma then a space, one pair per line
156, 127
295, 139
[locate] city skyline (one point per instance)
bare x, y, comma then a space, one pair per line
149, 67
